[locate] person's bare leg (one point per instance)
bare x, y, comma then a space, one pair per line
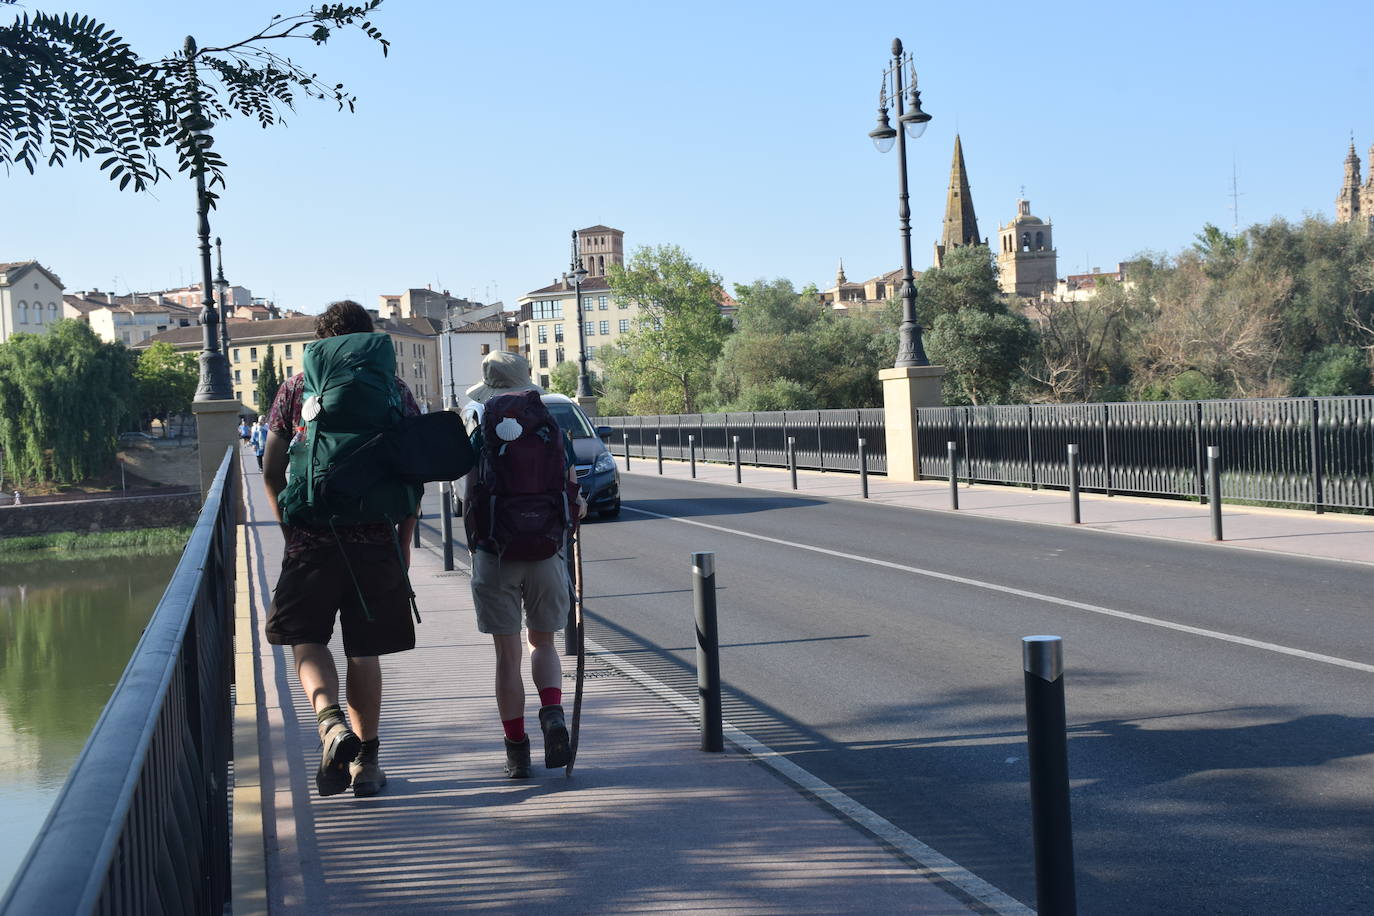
510, 688
319, 678
545, 665
364, 692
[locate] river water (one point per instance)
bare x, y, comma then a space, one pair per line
67, 629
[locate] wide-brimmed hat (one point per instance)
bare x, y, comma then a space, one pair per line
503, 372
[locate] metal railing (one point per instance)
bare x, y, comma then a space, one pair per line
1304, 451
142, 823
826, 439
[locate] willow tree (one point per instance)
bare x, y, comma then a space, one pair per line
64, 396
71, 88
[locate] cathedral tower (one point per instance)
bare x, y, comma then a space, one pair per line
1348, 203
1027, 263
961, 224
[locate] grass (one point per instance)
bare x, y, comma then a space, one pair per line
93, 544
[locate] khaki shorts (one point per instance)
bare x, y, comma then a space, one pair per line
498, 589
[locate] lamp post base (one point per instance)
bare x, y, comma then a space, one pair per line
216, 429
904, 390
588, 404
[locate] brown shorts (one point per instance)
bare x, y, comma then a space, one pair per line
316, 585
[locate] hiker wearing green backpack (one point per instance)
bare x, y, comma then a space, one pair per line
521, 507
346, 549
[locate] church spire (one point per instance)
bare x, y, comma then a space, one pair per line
1348, 201
961, 223
839, 274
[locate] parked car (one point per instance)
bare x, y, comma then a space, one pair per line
597, 472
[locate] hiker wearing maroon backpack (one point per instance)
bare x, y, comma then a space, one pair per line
522, 506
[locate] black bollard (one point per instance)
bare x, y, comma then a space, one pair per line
1214, 488
738, 478
953, 474
1073, 486
415, 532
792, 459
708, 650
658, 447
627, 451
863, 467
692, 454
1047, 743
446, 497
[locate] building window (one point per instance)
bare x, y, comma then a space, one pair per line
23, 313
253, 355
624, 325
236, 354
547, 308
558, 333
587, 303
591, 353
238, 377
543, 380
288, 351
486, 348
603, 303
543, 359
290, 371
589, 328
255, 375
622, 305
605, 327
125, 336
238, 396
52, 311
543, 333
558, 358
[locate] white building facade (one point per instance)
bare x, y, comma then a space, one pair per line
30, 299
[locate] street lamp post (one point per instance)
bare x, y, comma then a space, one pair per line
222, 289
910, 352
214, 368
575, 275
448, 337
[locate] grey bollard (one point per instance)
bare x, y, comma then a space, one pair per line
1214, 488
1047, 745
708, 650
952, 449
627, 451
1073, 486
792, 459
415, 532
658, 447
863, 467
692, 454
446, 497
738, 478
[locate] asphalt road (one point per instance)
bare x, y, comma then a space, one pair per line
1209, 776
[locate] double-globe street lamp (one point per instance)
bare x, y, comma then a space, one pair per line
214, 368
911, 122
575, 275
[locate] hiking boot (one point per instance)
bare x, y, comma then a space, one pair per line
339, 748
368, 778
518, 758
557, 750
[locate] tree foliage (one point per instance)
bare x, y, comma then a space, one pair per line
166, 382
672, 351
64, 397
269, 380
72, 88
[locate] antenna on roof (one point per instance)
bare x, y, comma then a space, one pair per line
1235, 199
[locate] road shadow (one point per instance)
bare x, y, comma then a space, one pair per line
690, 508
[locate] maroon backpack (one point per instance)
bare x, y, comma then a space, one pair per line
520, 505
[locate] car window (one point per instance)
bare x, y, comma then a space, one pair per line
570, 420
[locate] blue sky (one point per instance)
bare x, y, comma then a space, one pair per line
734, 129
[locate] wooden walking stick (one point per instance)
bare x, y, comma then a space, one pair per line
581, 637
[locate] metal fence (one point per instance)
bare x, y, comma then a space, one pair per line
142, 823
1304, 451
825, 439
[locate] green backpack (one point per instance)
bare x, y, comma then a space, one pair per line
338, 472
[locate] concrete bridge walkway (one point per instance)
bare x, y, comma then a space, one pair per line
648, 823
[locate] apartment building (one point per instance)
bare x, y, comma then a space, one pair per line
30, 299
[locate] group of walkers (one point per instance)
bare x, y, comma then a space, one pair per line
254, 435
337, 454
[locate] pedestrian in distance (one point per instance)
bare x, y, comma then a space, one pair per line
348, 563
258, 439
522, 505
244, 431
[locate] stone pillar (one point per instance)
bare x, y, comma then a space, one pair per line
904, 390
588, 405
217, 427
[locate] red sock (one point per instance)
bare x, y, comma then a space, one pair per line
515, 728
550, 696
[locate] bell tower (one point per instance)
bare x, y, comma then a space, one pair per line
1027, 263
1348, 202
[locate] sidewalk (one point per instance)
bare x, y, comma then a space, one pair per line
648, 823
1332, 536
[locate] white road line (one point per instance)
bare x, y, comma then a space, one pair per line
1034, 596
927, 858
